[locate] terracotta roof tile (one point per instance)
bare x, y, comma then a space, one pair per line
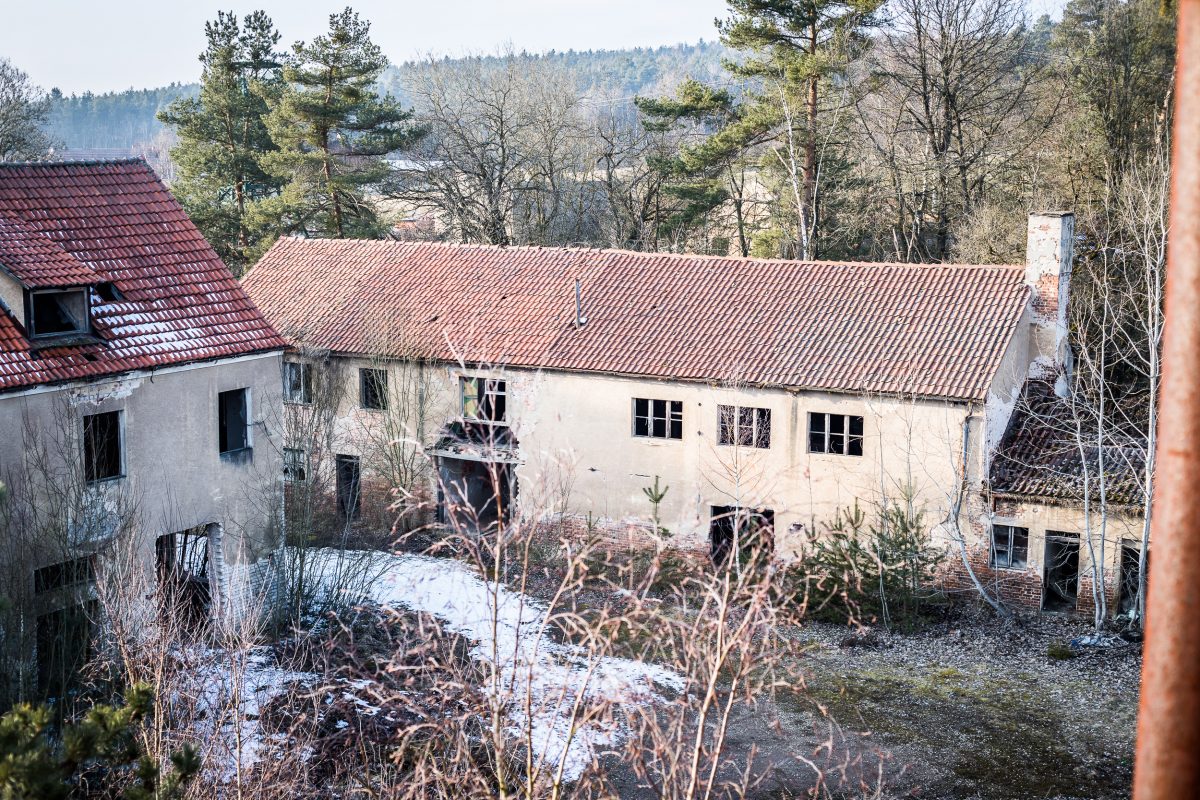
929, 330
176, 301
1040, 458
36, 261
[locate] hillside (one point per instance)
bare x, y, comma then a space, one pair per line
125, 120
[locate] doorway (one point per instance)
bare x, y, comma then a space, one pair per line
1131, 553
349, 485
747, 533
480, 493
184, 592
64, 642
1060, 588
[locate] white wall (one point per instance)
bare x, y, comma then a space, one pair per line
575, 439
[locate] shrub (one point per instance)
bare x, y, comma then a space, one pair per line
857, 571
103, 748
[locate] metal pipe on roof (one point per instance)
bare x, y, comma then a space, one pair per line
1168, 737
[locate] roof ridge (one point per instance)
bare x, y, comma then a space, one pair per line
648, 253
83, 162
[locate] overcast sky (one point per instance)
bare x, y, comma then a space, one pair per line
104, 45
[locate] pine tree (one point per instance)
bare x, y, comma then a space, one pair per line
102, 747
793, 48
333, 129
223, 136
705, 175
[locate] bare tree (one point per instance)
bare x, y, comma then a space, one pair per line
501, 161
24, 110
954, 104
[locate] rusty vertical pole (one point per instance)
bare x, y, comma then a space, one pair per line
1168, 739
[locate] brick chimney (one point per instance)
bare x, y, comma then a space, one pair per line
1048, 255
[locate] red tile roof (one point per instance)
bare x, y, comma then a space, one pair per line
929, 330
175, 301
36, 261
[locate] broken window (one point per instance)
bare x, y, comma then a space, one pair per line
233, 420
58, 312
744, 426
295, 465
373, 389
658, 419
102, 446
349, 479
64, 574
297, 382
839, 434
484, 399
1010, 546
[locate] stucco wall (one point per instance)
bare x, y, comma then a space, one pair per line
174, 476
12, 296
575, 442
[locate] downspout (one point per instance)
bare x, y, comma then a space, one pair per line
956, 513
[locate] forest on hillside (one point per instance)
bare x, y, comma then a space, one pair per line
128, 120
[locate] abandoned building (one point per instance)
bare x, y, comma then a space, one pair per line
1060, 504
138, 385
711, 394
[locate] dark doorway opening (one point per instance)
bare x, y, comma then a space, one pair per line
1130, 555
1061, 574
185, 595
64, 645
349, 487
479, 493
745, 533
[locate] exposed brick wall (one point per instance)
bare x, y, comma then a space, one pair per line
1085, 604
1016, 588
1046, 297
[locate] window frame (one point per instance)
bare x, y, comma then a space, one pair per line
380, 375
64, 575
222, 424
83, 326
485, 392
830, 438
994, 561
295, 459
89, 462
668, 413
300, 394
744, 426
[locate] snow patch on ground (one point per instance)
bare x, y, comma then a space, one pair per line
228, 690
509, 630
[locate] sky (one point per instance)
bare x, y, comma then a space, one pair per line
111, 45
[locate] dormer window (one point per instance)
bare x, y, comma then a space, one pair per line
58, 312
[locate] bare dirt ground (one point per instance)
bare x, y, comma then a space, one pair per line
971, 707
975, 707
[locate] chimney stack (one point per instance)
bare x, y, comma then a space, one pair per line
1048, 255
